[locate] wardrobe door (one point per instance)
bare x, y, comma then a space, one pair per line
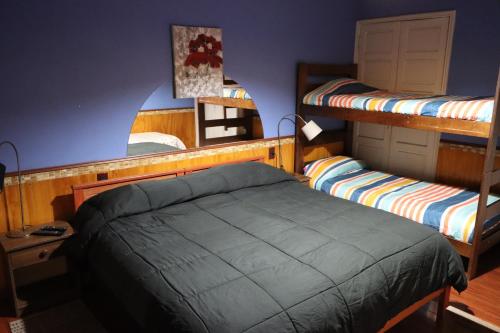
413, 153
377, 54
423, 51
371, 144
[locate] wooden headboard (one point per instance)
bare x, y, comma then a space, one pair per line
309, 77
176, 122
86, 191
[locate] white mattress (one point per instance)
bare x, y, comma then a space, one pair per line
156, 137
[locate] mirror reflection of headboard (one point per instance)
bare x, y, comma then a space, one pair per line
176, 122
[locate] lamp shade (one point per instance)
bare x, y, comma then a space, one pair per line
311, 130
2, 176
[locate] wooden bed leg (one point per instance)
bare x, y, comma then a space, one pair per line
348, 138
443, 302
472, 266
489, 178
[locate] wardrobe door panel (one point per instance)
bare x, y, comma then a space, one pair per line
413, 153
422, 56
378, 54
371, 144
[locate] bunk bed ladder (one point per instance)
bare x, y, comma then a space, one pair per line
489, 178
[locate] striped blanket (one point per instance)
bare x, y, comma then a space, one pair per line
335, 94
239, 93
448, 209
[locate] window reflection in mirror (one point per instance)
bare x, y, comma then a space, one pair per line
213, 120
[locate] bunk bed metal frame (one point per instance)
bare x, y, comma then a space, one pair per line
309, 77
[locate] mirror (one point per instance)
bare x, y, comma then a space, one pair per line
213, 120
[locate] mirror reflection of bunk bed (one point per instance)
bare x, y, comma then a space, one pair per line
246, 121
475, 117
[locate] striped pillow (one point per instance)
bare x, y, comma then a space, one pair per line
321, 170
338, 86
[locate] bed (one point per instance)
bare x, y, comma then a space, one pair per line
449, 210
331, 90
236, 92
350, 94
152, 143
247, 248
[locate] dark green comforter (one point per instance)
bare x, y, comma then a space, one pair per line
134, 149
246, 248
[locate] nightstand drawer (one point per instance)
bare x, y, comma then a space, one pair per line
33, 255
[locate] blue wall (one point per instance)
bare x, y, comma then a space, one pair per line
75, 72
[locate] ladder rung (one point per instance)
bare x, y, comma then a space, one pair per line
495, 177
492, 210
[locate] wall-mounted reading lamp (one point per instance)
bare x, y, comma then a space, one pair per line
23, 232
310, 130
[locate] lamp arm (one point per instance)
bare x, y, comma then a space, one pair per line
280, 158
9, 143
295, 115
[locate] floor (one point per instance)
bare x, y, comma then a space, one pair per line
481, 299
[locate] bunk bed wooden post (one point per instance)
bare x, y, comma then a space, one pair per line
299, 136
202, 133
489, 178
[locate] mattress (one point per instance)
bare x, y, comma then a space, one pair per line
156, 137
449, 210
153, 142
134, 149
247, 248
235, 92
455, 107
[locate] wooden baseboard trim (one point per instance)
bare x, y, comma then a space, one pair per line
469, 321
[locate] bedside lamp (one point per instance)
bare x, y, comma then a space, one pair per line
22, 232
310, 130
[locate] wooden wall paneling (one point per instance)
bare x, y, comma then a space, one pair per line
258, 131
51, 199
181, 124
313, 153
462, 165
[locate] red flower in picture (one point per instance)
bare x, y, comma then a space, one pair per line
204, 50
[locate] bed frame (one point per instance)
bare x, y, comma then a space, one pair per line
83, 192
246, 105
320, 73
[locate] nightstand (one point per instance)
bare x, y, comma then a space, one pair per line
301, 178
37, 269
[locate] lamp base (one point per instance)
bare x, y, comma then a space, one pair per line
17, 234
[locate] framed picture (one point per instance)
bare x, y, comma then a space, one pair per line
198, 62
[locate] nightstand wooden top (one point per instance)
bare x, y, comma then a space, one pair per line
16, 244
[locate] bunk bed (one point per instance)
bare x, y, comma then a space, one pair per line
233, 97
313, 76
